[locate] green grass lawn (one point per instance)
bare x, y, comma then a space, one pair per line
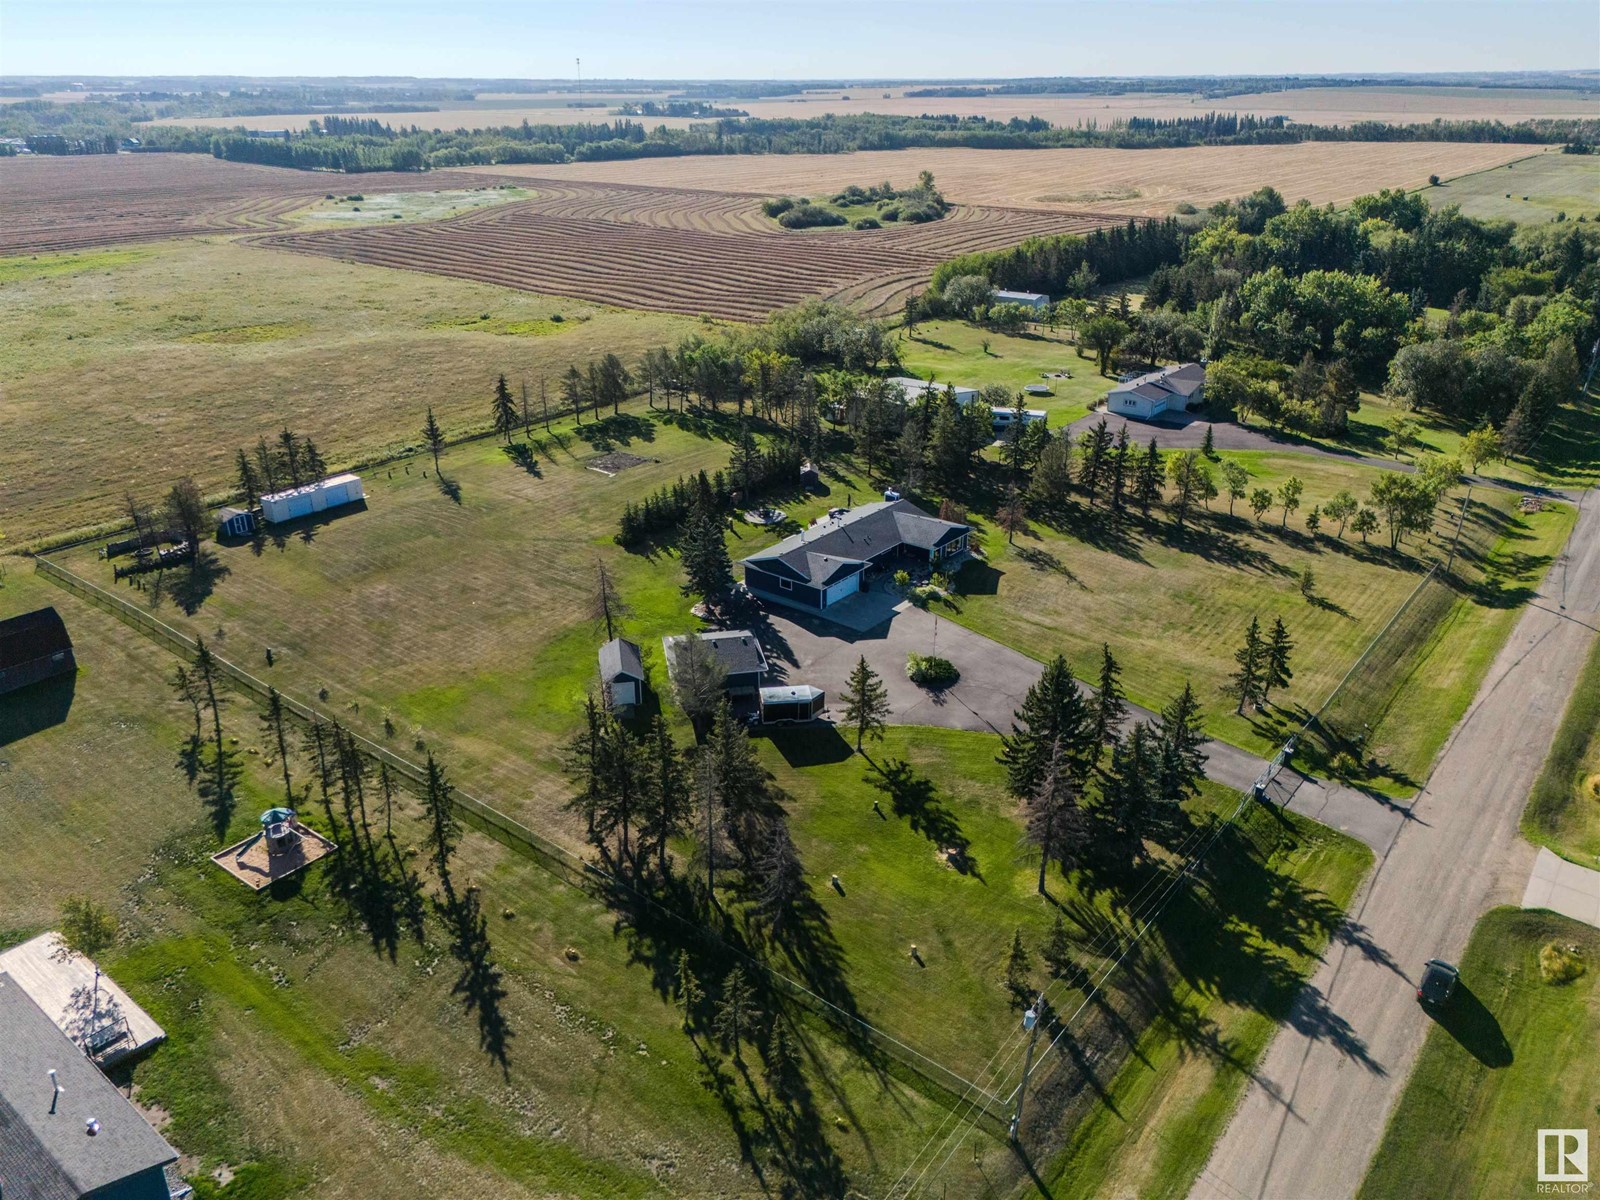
311, 1063
1564, 810
1531, 189
604, 1094
1514, 1054
953, 352
175, 354
1175, 608
1173, 1030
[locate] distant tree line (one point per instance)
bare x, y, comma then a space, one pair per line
413, 148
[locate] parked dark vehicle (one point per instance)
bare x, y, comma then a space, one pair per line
1438, 984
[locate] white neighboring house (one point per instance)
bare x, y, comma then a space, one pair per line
1037, 301
333, 492
1171, 389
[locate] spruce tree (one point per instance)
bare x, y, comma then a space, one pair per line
1180, 734
314, 466
1053, 709
1245, 683
504, 410
1109, 705
736, 1015
1055, 825
1057, 952
443, 832
274, 722
249, 480
1126, 795
289, 456
670, 799
1117, 470
866, 702
433, 437
1276, 670
1147, 484
1018, 970
707, 568
689, 992
1209, 446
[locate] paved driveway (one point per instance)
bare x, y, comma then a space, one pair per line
994, 678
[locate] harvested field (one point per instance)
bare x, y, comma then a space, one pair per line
1128, 182
54, 204
677, 250
1317, 106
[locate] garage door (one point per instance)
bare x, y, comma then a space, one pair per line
845, 587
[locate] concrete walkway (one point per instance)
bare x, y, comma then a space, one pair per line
1317, 1103
1563, 887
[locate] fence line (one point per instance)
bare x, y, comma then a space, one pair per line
519, 838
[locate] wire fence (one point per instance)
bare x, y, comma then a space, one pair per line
937, 1080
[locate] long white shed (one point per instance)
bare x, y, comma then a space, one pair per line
333, 492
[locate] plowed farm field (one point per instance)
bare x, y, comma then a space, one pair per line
679, 250
72, 203
1130, 182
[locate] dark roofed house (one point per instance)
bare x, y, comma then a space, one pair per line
622, 673
34, 646
744, 662
826, 563
83, 1141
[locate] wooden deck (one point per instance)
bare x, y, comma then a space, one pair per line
108, 1028
249, 862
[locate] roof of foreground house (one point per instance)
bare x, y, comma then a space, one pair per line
51, 1155
837, 547
1182, 381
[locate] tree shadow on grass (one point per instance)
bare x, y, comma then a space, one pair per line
191, 588
915, 797
450, 488
808, 745
1473, 1027
522, 454
480, 983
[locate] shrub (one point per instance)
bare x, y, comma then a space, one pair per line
902, 579
866, 223
808, 216
891, 213
929, 670
1560, 964
778, 206
1185, 209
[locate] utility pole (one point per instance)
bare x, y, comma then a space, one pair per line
1030, 1022
579, 61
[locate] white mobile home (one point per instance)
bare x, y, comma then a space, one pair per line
334, 492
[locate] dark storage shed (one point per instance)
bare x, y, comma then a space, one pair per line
34, 646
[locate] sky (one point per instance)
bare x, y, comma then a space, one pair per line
792, 39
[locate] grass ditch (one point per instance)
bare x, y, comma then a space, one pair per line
1511, 1054
1563, 809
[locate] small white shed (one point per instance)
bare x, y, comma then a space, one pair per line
333, 492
